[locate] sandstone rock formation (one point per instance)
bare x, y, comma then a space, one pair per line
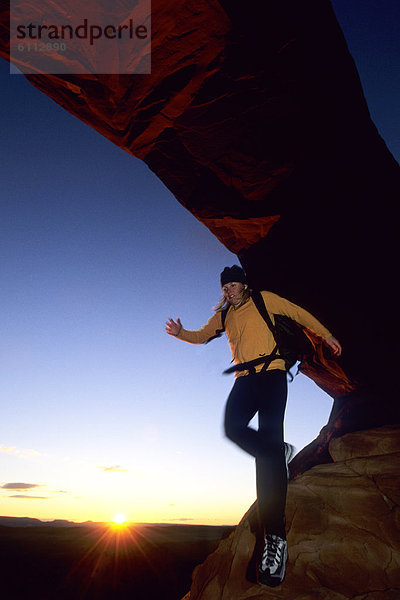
343, 524
254, 117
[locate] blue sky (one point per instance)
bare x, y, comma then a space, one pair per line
101, 410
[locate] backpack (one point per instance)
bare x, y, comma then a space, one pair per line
291, 343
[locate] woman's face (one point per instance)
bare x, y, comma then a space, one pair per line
233, 292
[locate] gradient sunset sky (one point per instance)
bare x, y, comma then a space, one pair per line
101, 411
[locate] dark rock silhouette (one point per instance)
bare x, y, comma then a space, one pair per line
96, 562
256, 121
343, 531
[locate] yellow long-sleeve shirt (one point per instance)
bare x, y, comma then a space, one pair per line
248, 334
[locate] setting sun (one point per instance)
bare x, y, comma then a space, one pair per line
119, 518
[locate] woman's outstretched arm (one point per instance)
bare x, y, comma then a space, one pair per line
334, 345
172, 327
199, 336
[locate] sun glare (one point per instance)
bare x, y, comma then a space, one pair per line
119, 518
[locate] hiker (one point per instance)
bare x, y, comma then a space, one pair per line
260, 386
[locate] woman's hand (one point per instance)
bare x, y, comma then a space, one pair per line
173, 328
334, 345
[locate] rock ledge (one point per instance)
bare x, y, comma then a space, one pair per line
343, 531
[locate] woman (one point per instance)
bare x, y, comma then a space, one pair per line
261, 390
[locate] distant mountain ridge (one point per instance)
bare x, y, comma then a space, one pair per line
31, 522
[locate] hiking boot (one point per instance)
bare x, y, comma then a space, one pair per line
272, 566
289, 452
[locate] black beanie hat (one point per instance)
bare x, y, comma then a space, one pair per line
233, 273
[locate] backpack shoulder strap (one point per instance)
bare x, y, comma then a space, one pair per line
223, 316
262, 309
219, 332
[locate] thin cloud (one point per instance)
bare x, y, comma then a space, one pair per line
20, 486
113, 469
26, 497
21, 452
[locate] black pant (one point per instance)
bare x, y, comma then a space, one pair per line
265, 393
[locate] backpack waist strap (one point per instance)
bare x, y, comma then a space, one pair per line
251, 364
